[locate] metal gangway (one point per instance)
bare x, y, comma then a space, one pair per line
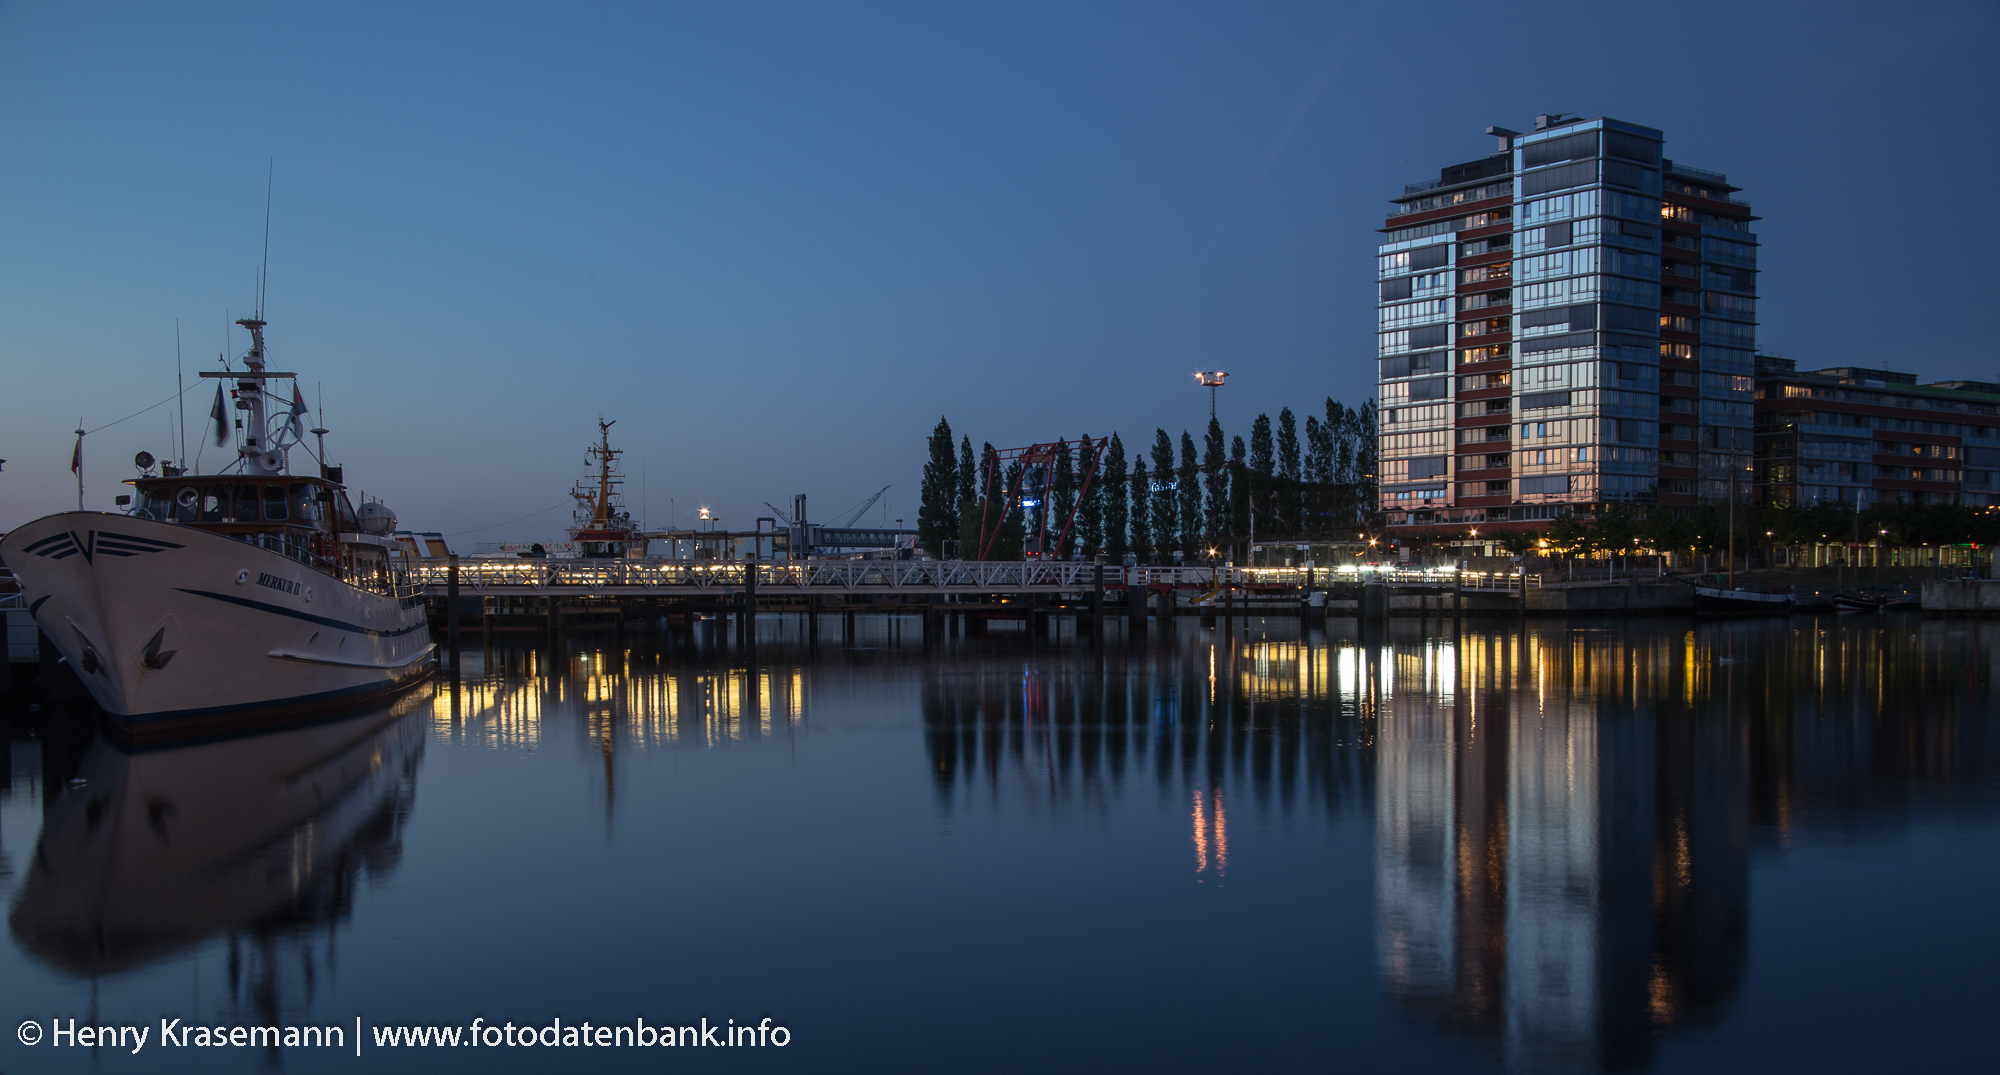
525, 577
671, 577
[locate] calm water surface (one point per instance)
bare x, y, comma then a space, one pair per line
1654, 846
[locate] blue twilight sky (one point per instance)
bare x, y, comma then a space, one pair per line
777, 242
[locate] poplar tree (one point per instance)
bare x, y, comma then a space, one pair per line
1263, 462
1339, 426
1090, 513
1190, 498
1288, 472
976, 514
1318, 499
937, 515
968, 474
1164, 508
1116, 539
1366, 449
1065, 501
1216, 480
1346, 499
1142, 530
1239, 491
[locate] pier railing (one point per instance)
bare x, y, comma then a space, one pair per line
969, 576
890, 576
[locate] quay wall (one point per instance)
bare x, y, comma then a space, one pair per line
1963, 597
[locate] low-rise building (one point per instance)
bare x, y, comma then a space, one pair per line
1863, 437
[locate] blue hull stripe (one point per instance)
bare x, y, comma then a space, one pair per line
274, 709
306, 616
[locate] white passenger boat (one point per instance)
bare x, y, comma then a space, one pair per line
227, 599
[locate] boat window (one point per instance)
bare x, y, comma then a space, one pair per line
160, 503
211, 502
345, 508
246, 503
274, 503
186, 502
301, 496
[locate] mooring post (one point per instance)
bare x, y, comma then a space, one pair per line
451, 607
748, 620
1097, 604
555, 621
1135, 599
1374, 600
1164, 607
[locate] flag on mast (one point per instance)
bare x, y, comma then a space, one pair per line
221, 417
76, 457
297, 421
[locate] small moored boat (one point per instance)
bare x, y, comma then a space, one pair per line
1717, 599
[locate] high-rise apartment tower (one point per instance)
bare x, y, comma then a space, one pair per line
1566, 323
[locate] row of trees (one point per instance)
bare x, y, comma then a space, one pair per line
1175, 496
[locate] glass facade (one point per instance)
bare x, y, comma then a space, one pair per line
1571, 324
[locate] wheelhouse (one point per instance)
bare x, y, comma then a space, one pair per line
310, 520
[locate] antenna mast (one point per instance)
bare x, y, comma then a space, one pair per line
181, 383
264, 270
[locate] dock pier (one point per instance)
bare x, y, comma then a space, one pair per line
955, 598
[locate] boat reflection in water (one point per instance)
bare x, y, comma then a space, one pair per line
261, 838
1565, 815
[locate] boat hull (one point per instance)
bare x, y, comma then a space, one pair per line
1714, 599
174, 629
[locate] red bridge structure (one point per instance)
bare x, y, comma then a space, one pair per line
1036, 476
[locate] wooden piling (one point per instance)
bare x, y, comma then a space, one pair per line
451, 607
1097, 605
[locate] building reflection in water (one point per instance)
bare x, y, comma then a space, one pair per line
1564, 815
1278, 722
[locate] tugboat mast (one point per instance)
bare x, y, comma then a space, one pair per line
606, 455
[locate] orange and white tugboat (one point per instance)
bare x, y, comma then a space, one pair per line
222, 600
601, 528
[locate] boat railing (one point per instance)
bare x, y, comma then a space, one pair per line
396, 581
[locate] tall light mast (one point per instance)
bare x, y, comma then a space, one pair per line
1210, 380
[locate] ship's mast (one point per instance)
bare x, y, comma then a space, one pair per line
258, 456
601, 513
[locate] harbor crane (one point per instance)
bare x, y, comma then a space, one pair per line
797, 516
854, 516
